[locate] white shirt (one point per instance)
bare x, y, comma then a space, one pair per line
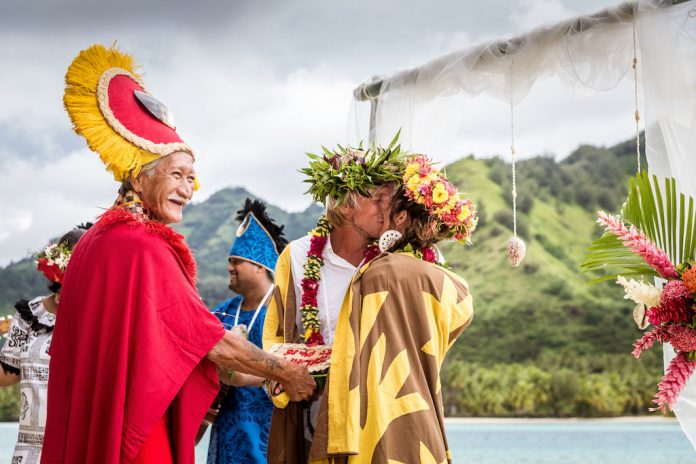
336, 275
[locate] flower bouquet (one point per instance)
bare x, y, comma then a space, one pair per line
653, 233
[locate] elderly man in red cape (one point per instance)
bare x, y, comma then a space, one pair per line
133, 356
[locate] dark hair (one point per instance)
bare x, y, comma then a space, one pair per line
70, 239
421, 230
258, 208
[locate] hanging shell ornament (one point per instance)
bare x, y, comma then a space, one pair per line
516, 249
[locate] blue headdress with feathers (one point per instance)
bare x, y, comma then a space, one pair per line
259, 239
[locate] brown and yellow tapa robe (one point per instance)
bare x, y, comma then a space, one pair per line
383, 400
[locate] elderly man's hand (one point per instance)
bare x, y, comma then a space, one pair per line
299, 385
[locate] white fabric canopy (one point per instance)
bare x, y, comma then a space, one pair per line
588, 54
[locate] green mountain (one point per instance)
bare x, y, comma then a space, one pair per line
210, 228
542, 341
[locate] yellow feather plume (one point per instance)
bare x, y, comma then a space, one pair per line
121, 157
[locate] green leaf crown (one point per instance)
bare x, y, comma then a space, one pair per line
348, 169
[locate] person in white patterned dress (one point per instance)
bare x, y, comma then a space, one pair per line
24, 356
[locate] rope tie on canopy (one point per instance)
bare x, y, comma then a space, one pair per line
635, 90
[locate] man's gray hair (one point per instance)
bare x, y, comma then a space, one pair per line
147, 170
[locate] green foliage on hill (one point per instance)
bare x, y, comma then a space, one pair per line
10, 403
20, 280
540, 333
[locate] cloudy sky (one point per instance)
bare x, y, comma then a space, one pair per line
253, 85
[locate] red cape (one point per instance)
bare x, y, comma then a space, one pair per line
129, 343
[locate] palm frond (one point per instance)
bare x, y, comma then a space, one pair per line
662, 215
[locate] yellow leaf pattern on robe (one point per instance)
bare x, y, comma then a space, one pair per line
426, 457
383, 407
370, 340
372, 304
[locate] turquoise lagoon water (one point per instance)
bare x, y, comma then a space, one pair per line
535, 441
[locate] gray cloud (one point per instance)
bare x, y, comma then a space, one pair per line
253, 85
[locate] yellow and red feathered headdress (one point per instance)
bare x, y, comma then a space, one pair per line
109, 106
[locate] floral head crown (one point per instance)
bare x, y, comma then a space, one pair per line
53, 261
352, 169
425, 185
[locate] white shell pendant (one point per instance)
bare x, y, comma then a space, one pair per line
516, 249
388, 239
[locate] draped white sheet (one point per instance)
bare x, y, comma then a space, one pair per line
588, 54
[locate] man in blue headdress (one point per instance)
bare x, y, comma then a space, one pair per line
240, 433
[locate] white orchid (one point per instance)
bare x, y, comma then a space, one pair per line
645, 295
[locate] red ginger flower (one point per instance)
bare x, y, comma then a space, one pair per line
636, 241
673, 382
671, 311
689, 278
646, 342
682, 338
674, 306
674, 290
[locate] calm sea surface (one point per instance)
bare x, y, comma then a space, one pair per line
536, 441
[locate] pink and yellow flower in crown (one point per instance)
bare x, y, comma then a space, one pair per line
411, 169
440, 194
464, 212
413, 182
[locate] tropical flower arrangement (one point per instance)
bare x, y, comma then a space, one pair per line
53, 261
656, 229
427, 186
671, 310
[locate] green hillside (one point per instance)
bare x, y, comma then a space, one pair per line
210, 228
543, 342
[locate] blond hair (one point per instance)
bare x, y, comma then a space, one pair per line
337, 212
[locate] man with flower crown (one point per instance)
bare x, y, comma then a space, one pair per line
314, 272
133, 354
